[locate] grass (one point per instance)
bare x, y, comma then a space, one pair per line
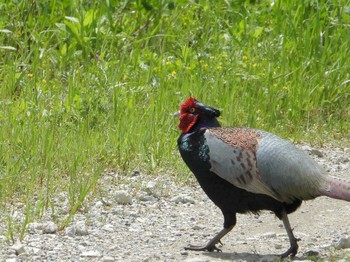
90, 86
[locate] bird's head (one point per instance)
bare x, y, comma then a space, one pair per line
195, 114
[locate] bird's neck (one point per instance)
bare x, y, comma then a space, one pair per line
199, 128
204, 124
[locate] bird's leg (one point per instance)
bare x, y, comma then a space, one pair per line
211, 245
292, 251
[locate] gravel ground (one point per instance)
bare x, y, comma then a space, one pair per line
147, 218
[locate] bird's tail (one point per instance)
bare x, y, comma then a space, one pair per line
337, 188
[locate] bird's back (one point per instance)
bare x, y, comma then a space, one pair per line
289, 171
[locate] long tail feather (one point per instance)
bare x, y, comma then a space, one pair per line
337, 188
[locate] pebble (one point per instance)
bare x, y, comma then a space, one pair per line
343, 243
108, 259
91, 254
122, 197
198, 227
278, 246
11, 251
183, 199
18, 248
108, 227
311, 253
145, 197
77, 229
268, 235
135, 173
35, 227
343, 159
197, 259
33, 250
151, 187
49, 228
316, 152
99, 204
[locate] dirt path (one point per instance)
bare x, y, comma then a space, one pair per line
163, 217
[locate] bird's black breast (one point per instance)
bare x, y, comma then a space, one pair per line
195, 153
193, 148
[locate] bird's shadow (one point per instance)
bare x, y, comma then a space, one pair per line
244, 256
250, 257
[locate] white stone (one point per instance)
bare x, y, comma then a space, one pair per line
19, 248
147, 198
343, 243
13, 259
78, 229
153, 188
182, 199
108, 228
268, 235
33, 250
34, 227
278, 246
107, 259
91, 253
49, 228
197, 259
98, 204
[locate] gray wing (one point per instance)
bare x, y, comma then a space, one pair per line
275, 167
289, 171
236, 165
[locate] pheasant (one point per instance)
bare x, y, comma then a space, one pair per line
244, 170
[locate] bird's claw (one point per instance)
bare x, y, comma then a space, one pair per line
209, 248
292, 251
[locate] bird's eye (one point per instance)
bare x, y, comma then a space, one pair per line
192, 110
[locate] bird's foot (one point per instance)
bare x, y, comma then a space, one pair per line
292, 251
209, 247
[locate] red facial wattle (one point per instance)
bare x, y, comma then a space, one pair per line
187, 119
186, 122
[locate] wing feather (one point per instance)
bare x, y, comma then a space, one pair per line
236, 165
263, 163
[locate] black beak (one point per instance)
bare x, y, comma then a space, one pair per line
210, 111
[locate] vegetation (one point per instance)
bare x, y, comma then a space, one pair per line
88, 86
